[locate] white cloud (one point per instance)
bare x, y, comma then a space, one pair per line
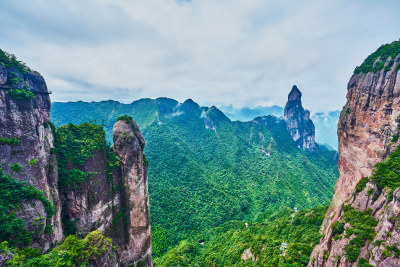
245, 53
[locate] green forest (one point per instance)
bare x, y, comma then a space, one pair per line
262, 240
206, 170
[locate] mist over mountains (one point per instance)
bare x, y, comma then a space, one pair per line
325, 122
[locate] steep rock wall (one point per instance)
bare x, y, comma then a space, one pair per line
128, 146
366, 130
89, 206
298, 121
112, 198
28, 121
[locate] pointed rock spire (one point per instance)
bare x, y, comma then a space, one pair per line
295, 94
298, 121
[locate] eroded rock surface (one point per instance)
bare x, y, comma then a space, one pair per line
298, 121
113, 199
128, 146
366, 130
27, 120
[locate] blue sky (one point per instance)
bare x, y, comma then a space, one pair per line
225, 52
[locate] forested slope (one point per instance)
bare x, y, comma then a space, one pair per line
205, 169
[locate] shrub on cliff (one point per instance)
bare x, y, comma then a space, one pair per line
383, 53
21, 94
10, 61
72, 252
361, 228
9, 141
12, 194
387, 173
75, 144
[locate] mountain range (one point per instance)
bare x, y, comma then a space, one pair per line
325, 122
206, 169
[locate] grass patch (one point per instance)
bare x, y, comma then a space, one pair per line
361, 184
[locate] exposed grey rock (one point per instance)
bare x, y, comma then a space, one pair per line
26, 120
128, 146
93, 205
3, 74
4, 257
298, 121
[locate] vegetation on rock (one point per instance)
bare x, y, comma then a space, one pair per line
21, 94
9, 141
387, 173
10, 61
72, 252
383, 53
201, 177
362, 230
75, 144
12, 195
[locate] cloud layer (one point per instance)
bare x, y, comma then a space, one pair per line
244, 53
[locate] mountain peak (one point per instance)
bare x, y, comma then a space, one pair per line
298, 121
294, 94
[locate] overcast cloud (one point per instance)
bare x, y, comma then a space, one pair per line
221, 52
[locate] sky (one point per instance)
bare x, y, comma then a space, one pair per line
244, 53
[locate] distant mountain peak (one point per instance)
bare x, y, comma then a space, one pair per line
189, 101
294, 94
298, 121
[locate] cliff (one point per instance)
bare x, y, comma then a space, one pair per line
128, 146
368, 133
26, 142
67, 182
298, 121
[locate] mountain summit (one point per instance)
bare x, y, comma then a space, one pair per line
298, 121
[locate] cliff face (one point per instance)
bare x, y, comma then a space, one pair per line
25, 120
90, 186
298, 121
368, 133
128, 146
89, 205
114, 200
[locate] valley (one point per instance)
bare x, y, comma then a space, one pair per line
205, 170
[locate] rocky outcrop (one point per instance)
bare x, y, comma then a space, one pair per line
128, 146
104, 192
3, 74
368, 132
26, 120
90, 205
116, 203
298, 121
